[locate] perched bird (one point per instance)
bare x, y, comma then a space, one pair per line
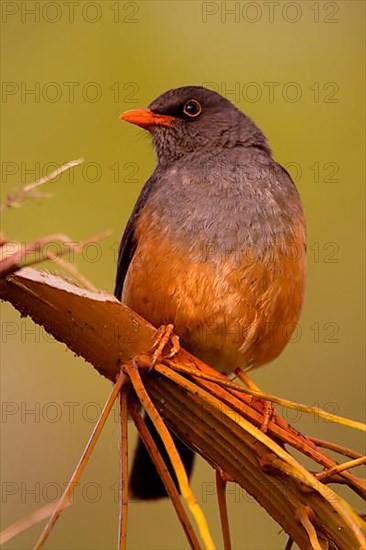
215, 244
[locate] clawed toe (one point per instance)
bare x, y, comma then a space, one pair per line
164, 334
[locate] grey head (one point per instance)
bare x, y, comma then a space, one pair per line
193, 119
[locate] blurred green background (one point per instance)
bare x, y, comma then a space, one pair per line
297, 69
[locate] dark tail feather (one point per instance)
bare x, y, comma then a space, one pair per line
145, 482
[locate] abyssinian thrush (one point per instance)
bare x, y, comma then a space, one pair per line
215, 244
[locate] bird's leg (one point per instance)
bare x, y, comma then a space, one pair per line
269, 411
164, 334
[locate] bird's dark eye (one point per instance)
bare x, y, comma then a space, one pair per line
192, 108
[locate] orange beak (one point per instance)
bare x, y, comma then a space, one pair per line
146, 118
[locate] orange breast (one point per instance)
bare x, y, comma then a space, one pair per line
236, 311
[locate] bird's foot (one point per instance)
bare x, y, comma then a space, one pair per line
164, 334
269, 413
